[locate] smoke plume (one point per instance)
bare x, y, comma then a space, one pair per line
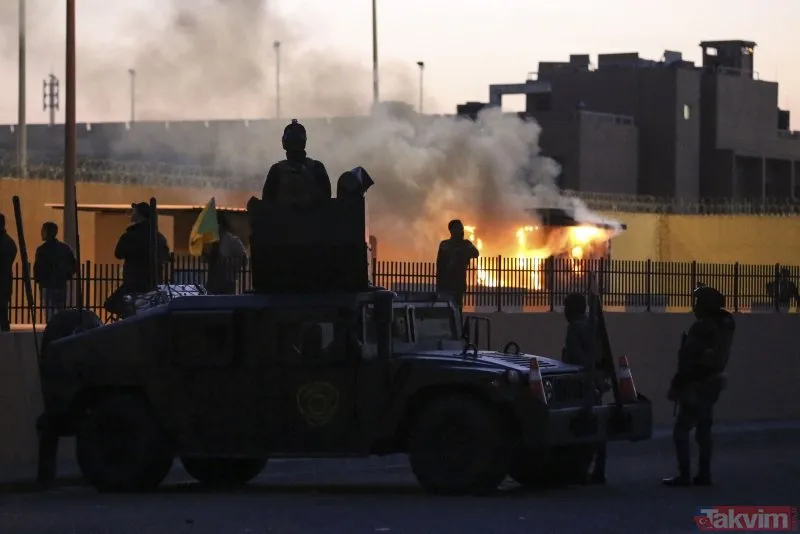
213, 59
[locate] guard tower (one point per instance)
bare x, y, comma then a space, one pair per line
729, 57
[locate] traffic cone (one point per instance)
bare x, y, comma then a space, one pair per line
626, 389
535, 381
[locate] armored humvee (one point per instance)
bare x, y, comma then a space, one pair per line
343, 369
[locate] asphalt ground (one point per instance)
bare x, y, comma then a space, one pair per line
754, 465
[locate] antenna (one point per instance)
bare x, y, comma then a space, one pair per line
26, 270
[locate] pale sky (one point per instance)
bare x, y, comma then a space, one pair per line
466, 44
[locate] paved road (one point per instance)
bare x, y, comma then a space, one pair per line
345, 497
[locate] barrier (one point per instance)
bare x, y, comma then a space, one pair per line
761, 375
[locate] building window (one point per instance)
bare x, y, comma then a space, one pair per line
687, 112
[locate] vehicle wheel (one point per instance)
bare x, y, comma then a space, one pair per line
224, 471
561, 465
121, 447
458, 446
66, 323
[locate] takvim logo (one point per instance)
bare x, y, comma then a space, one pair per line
746, 518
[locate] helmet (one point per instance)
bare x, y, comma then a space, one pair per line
294, 136
706, 299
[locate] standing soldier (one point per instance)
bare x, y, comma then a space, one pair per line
298, 179
55, 265
8, 253
703, 356
452, 262
225, 260
581, 347
134, 247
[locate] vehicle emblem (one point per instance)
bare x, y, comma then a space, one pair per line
318, 403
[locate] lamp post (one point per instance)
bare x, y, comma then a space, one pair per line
22, 133
375, 91
70, 211
421, 65
132, 73
277, 46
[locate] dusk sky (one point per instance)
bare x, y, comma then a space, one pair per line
466, 45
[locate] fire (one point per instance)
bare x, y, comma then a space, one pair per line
533, 245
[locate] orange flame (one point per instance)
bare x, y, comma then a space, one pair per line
574, 241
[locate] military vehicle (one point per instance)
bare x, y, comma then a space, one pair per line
322, 367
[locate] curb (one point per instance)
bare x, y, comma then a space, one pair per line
298, 466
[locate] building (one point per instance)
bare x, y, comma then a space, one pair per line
666, 128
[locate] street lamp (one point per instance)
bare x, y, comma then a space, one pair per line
375, 92
22, 134
421, 65
277, 46
70, 133
132, 73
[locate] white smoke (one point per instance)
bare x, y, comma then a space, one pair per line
211, 59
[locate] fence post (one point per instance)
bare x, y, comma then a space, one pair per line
87, 280
551, 280
776, 289
374, 271
736, 287
647, 283
601, 278
498, 278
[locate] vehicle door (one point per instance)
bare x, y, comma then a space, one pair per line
317, 353
383, 331
215, 387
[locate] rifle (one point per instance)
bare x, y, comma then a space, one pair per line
26, 271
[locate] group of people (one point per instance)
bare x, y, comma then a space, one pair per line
143, 266
702, 358
695, 388
54, 265
298, 179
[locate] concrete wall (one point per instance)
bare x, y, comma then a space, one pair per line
747, 239
763, 371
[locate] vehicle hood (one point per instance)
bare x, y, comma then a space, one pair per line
519, 362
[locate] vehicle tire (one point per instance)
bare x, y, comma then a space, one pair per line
121, 446
68, 322
458, 446
564, 465
224, 472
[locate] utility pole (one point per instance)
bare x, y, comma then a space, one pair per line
50, 97
132, 73
22, 125
277, 46
421, 65
70, 163
375, 92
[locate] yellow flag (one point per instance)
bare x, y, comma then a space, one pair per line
205, 229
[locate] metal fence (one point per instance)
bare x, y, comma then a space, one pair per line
509, 284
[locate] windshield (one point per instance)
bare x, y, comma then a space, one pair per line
434, 324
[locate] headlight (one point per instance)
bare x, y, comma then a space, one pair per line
548, 390
513, 377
